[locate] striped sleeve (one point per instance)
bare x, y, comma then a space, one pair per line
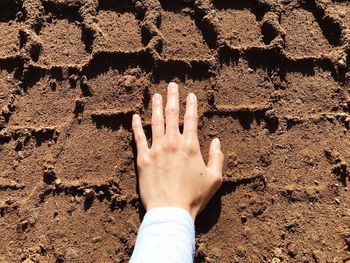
166, 235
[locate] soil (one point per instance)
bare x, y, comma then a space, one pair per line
273, 82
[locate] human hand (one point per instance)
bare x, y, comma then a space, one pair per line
173, 172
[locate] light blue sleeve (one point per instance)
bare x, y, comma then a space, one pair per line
166, 235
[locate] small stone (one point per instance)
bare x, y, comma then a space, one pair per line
232, 161
96, 239
316, 182
133, 225
24, 225
28, 260
89, 193
19, 15
347, 120
337, 200
49, 17
342, 62
20, 155
217, 252
72, 255
77, 199
128, 81
342, 13
15, 164
83, 79
278, 252
58, 181
110, 219
5, 110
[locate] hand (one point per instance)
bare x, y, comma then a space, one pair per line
173, 172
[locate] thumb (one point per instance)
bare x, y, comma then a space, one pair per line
216, 158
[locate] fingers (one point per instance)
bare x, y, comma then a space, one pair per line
139, 134
172, 110
216, 159
191, 117
157, 118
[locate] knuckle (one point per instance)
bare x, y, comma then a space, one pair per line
191, 146
172, 148
218, 180
191, 117
172, 110
171, 145
156, 122
155, 151
138, 137
143, 161
154, 154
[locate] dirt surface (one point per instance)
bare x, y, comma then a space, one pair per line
272, 77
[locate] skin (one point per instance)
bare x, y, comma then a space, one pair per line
172, 172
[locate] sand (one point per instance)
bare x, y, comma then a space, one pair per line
272, 79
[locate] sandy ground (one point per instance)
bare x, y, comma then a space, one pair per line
272, 77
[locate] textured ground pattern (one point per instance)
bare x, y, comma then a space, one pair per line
272, 77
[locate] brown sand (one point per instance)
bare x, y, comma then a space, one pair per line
272, 77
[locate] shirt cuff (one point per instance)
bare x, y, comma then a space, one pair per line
167, 234
166, 214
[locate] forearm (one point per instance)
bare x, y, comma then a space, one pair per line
166, 235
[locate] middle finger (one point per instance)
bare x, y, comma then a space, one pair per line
172, 110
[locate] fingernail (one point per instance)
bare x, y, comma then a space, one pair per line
157, 98
136, 118
217, 143
172, 87
191, 97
